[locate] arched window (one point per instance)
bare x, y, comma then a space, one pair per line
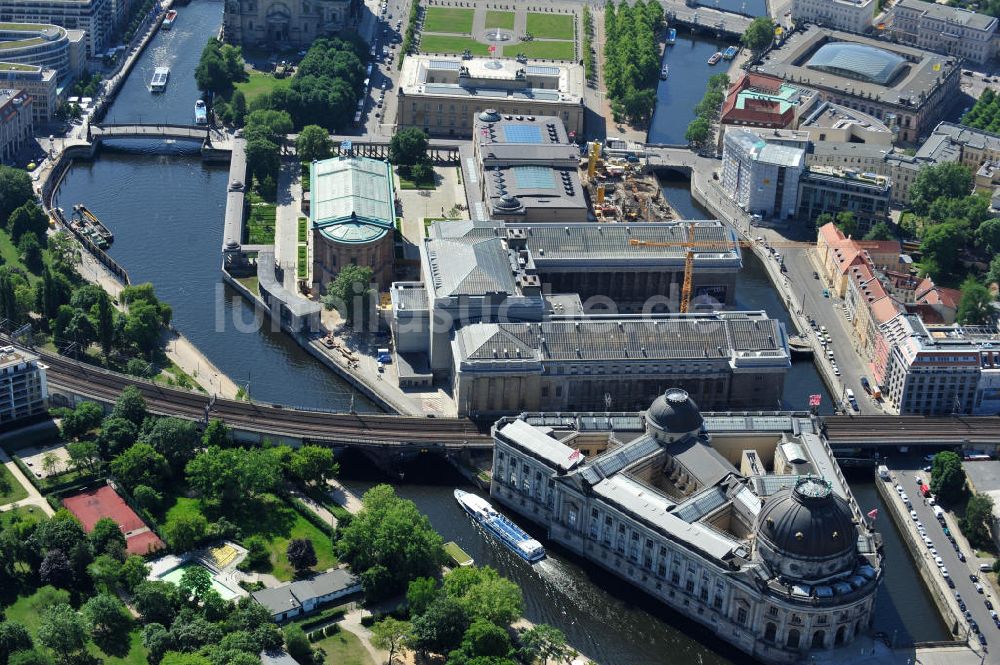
857, 627
839, 637
769, 631
793, 639
818, 637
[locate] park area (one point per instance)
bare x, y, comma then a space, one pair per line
452, 44
544, 36
551, 26
449, 19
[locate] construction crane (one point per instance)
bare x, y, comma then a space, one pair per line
691, 246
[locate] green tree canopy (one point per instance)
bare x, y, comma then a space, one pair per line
440, 629
140, 465
485, 594
350, 293
420, 593
313, 143
228, 476
15, 190
978, 518
408, 147
940, 246
28, 218
976, 304
313, 465
174, 438
389, 534
391, 635
63, 630
947, 477
759, 34
946, 180
880, 231
131, 406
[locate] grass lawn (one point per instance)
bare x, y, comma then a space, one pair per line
303, 260
26, 611
249, 282
260, 223
448, 19
343, 648
303, 229
548, 50
495, 19
24, 513
407, 183
173, 375
551, 26
452, 44
279, 523
10, 489
261, 83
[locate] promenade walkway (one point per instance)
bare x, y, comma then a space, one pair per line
34, 498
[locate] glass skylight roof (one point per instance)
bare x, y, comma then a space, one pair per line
522, 133
857, 61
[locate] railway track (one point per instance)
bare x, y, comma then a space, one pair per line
380, 430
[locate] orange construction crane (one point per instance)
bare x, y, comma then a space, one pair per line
691, 245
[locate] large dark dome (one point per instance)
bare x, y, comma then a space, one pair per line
674, 411
808, 521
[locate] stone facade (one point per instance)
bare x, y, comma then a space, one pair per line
284, 22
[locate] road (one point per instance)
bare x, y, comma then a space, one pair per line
908, 469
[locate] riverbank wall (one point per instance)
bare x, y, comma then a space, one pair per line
916, 549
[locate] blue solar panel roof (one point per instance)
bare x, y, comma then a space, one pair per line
522, 133
534, 177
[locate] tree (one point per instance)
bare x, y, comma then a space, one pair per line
196, 581
759, 34
301, 554
131, 406
485, 594
15, 190
107, 617
978, 517
174, 438
946, 180
56, 570
28, 218
228, 476
420, 594
13, 637
85, 417
116, 435
185, 530
482, 640
63, 630
847, 223
976, 304
84, 456
313, 143
947, 477
156, 639
140, 465
880, 231
638, 104
698, 131
258, 556
103, 315
313, 465
133, 572
177, 658
408, 147
297, 644
350, 292
421, 172
104, 572
62, 532
142, 327
545, 642
30, 251
940, 246
440, 629
191, 631
220, 66
390, 532
107, 538
156, 601
391, 635
238, 108
217, 434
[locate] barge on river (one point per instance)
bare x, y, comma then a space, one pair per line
87, 224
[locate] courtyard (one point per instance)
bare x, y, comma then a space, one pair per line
532, 32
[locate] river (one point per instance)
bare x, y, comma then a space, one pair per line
165, 207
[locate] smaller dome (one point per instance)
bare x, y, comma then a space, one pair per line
674, 411
808, 521
508, 202
489, 115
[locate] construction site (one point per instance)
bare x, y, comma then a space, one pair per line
619, 188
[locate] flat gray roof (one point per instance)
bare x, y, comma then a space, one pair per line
541, 445
957, 15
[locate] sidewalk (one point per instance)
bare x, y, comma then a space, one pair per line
34, 498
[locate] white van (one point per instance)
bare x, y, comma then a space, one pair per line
849, 393
938, 513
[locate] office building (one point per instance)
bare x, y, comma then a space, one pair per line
488, 272
726, 359
352, 212
95, 18
23, 390
908, 89
47, 46
442, 95
762, 177
40, 84
16, 123
834, 123
847, 15
952, 30
277, 23
824, 189
527, 170
741, 523
758, 100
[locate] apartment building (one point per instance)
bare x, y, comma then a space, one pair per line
23, 389
16, 123
95, 17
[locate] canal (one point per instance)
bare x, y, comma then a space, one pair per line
165, 207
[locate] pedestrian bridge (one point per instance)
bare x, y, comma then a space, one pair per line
216, 138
